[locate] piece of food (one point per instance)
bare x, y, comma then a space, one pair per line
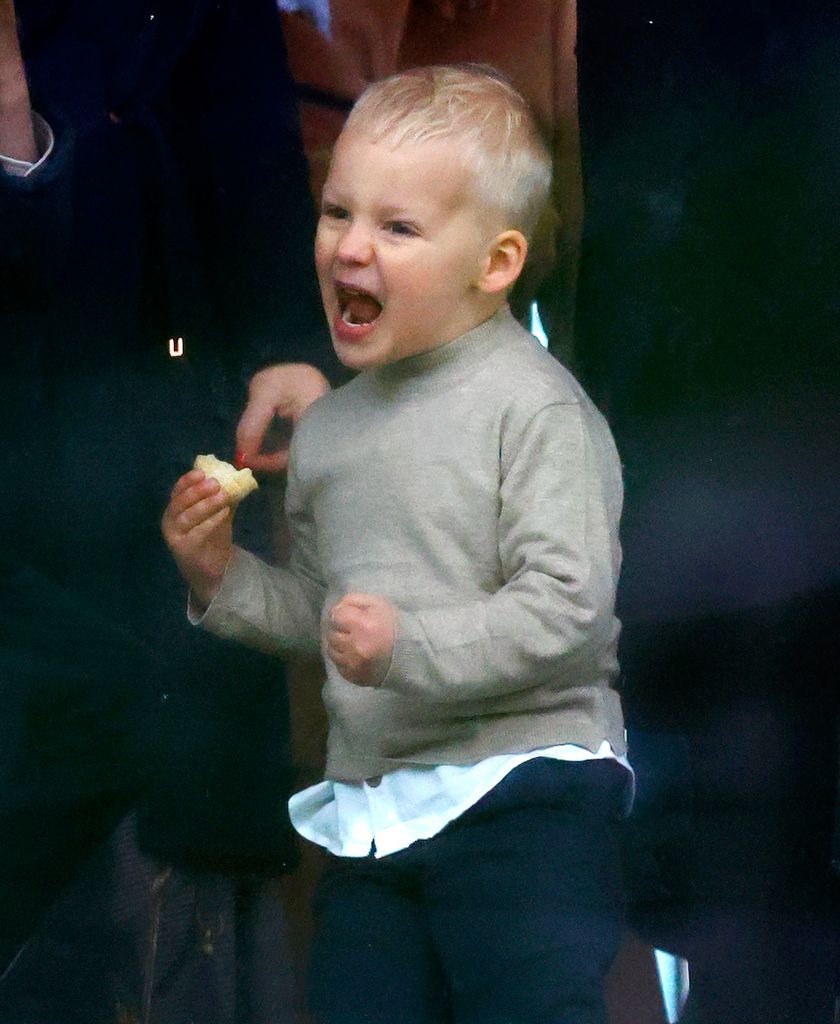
236, 483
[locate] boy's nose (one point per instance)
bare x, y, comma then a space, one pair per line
355, 245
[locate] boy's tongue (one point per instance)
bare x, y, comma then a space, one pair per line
361, 309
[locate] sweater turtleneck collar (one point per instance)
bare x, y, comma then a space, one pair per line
439, 363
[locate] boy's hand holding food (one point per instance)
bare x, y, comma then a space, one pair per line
360, 637
197, 523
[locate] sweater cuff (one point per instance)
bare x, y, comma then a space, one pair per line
406, 658
214, 614
45, 143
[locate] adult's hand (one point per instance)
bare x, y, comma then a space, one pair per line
285, 391
17, 135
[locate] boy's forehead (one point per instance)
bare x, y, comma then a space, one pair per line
440, 147
439, 162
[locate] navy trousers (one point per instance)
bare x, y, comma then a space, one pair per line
511, 915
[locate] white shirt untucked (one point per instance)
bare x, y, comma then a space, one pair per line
356, 819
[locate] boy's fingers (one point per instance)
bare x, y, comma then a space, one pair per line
199, 512
194, 476
209, 525
341, 619
335, 651
345, 613
341, 659
181, 528
190, 495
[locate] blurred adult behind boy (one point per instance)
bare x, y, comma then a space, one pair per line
155, 240
707, 325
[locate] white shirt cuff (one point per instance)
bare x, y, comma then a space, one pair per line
44, 142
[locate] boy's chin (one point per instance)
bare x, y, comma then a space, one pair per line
356, 355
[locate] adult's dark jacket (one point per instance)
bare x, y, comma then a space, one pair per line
707, 316
707, 328
175, 205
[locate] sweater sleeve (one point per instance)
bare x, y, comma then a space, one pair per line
273, 609
560, 497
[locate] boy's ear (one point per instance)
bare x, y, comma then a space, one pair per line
504, 262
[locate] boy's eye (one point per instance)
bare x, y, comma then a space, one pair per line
400, 227
333, 212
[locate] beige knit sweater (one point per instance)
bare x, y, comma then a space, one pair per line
478, 489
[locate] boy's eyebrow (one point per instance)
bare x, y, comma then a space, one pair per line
395, 211
403, 212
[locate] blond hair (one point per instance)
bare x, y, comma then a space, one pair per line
476, 106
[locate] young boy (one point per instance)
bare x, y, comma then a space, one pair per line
454, 512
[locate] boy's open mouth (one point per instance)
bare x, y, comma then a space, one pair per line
357, 306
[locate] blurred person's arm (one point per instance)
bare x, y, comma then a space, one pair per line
232, 118
239, 142
34, 182
17, 130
